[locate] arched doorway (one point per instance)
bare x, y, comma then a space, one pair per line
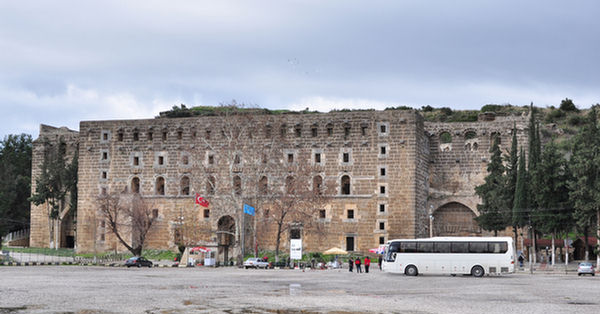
225, 238
455, 219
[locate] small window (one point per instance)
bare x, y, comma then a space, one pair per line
383, 128
329, 130
105, 136
237, 185
135, 185
150, 136
207, 213
211, 159
283, 130
290, 158
164, 135
179, 135
136, 160
317, 158
349, 244
298, 131
346, 132
136, 136
350, 214
120, 136
104, 175
185, 186
104, 155
363, 130
322, 213
382, 208
345, 185
314, 132
161, 160
236, 159
263, 186
382, 189
382, 172
160, 186
346, 157
381, 240
381, 225
382, 150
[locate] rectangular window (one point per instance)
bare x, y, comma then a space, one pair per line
322, 213
350, 214
497, 247
382, 189
290, 158
211, 159
136, 136
424, 247
382, 150
441, 247
349, 244
179, 135
381, 225
104, 155
459, 247
381, 240
381, 208
346, 132
317, 158
150, 136
120, 136
346, 157
315, 132
136, 160
363, 131
382, 128
161, 160
164, 135
298, 132
104, 136
329, 131
408, 247
104, 175
207, 213
382, 172
478, 247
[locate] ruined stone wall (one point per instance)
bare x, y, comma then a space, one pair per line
39, 236
460, 165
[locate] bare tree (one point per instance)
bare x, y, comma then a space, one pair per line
128, 216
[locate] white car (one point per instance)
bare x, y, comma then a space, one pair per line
256, 262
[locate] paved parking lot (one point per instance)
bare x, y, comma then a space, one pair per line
88, 290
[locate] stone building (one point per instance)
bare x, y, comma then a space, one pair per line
390, 173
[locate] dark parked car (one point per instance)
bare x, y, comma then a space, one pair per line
138, 261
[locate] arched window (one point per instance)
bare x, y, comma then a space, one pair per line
237, 185
470, 135
318, 185
345, 185
445, 138
160, 186
289, 185
211, 185
185, 185
135, 185
263, 186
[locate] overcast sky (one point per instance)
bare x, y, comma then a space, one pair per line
66, 61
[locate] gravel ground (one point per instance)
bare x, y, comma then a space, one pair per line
89, 290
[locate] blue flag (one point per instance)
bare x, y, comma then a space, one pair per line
248, 210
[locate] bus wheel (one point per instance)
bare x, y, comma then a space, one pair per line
477, 271
411, 271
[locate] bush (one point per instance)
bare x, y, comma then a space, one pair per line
554, 116
575, 120
568, 105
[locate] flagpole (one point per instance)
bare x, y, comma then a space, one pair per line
243, 232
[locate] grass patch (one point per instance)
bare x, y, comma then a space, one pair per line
42, 251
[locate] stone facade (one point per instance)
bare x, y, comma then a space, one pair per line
402, 172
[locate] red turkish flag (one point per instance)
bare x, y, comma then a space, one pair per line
201, 201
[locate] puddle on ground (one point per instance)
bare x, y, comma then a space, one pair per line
295, 289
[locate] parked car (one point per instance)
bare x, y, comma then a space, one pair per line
138, 261
585, 268
256, 262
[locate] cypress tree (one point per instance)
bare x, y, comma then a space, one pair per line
491, 210
520, 214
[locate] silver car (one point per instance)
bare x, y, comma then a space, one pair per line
256, 263
585, 268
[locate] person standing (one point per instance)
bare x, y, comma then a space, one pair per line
367, 264
379, 261
350, 264
357, 263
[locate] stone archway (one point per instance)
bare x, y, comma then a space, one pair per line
225, 238
455, 219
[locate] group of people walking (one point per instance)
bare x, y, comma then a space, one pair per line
358, 263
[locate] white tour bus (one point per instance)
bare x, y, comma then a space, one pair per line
450, 255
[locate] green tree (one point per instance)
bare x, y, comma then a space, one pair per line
520, 215
56, 182
15, 171
584, 185
492, 208
512, 163
533, 175
568, 105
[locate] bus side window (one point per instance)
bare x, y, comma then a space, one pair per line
442, 247
391, 253
498, 247
478, 247
408, 247
460, 247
